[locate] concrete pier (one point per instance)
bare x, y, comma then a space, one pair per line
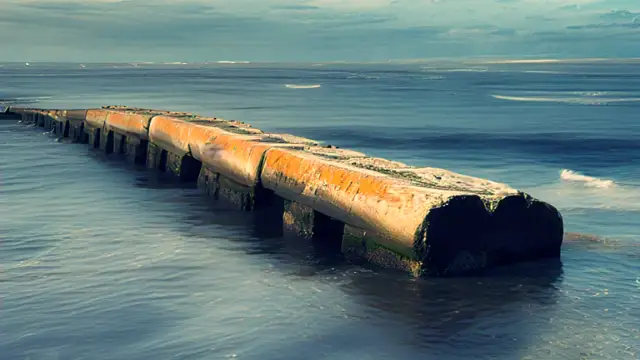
426, 221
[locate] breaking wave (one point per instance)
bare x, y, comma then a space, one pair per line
363, 76
578, 192
570, 175
22, 100
294, 86
582, 98
443, 70
544, 72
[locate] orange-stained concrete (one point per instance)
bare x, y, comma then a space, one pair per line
237, 156
128, 123
75, 116
370, 200
96, 118
379, 204
179, 136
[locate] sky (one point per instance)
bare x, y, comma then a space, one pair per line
315, 30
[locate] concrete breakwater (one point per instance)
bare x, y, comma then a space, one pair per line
426, 221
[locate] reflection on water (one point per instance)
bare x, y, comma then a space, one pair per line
467, 317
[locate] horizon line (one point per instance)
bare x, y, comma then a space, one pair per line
476, 59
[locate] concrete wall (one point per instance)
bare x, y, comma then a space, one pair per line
425, 221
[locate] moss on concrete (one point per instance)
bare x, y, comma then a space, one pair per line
174, 162
222, 188
135, 150
364, 245
418, 180
154, 156
298, 218
238, 194
93, 136
76, 132
119, 144
208, 181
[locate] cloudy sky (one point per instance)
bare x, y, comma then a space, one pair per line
314, 30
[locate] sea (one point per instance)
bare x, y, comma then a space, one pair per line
104, 260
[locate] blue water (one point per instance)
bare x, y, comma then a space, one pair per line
103, 260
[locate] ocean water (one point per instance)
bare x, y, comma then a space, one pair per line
102, 260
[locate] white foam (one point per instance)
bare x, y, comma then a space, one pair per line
524, 61
433, 77
580, 100
554, 61
293, 86
362, 76
578, 192
437, 70
19, 100
590, 93
543, 72
570, 175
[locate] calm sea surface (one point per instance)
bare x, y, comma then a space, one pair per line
102, 260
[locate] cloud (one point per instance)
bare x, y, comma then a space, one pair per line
621, 15
616, 19
630, 25
295, 7
313, 30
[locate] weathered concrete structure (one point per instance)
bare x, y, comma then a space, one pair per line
426, 221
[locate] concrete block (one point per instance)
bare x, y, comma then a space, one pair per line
230, 157
96, 118
427, 221
129, 124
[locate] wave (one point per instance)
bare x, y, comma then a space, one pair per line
23, 100
629, 244
433, 77
439, 70
570, 175
542, 72
394, 76
561, 61
524, 61
564, 149
590, 93
589, 99
232, 62
362, 76
575, 192
294, 86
